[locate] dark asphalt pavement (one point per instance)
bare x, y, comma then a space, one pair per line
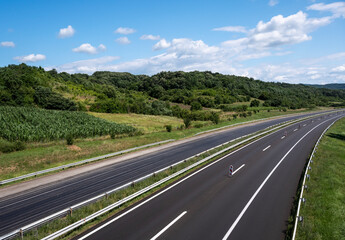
254, 203
21, 209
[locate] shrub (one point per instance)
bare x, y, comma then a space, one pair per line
187, 121
168, 128
198, 125
249, 113
255, 103
215, 117
234, 116
69, 139
7, 147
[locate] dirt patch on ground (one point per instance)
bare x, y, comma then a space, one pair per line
74, 148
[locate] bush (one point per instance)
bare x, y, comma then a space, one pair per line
168, 128
234, 116
195, 106
7, 147
268, 110
255, 103
215, 117
198, 125
69, 140
249, 113
187, 121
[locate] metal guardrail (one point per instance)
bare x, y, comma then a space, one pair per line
34, 174
301, 199
66, 211
81, 162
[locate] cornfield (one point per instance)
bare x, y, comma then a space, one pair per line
38, 125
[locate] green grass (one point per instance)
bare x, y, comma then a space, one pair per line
324, 211
146, 123
39, 156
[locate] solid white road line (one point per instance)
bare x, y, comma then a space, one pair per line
167, 189
168, 226
238, 169
295, 130
282, 137
263, 183
266, 148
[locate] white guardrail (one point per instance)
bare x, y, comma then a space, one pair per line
307, 176
34, 174
66, 211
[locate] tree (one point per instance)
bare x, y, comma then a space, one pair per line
195, 105
255, 103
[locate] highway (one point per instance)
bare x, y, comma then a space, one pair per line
29, 206
254, 203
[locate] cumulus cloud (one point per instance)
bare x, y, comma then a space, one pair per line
7, 44
66, 32
231, 29
125, 30
273, 3
88, 48
162, 44
150, 37
279, 31
123, 40
337, 8
31, 58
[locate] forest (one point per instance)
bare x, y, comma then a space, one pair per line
196, 95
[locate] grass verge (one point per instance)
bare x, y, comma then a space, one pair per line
324, 210
40, 156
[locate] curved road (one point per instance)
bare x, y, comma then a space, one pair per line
254, 203
26, 207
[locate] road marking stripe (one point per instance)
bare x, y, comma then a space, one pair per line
238, 169
172, 186
263, 183
168, 226
295, 130
304, 125
266, 148
282, 137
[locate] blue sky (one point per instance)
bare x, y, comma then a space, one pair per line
295, 41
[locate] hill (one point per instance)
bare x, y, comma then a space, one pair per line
329, 86
113, 92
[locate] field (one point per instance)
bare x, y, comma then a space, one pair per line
324, 210
42, 155
37, 125
146, 123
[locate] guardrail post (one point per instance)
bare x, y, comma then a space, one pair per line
70, 211
21, 234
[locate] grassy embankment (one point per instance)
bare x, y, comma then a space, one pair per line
324, 210
38, 156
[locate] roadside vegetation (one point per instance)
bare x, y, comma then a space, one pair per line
42, 155
324, 210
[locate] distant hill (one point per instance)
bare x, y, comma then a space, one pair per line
114, 92
329, 86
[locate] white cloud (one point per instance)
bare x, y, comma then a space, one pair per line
123, 40
88, 48
31, 58
150, 37
86, 66
340, 69
231, 29
7, 44
337, 8
66, 32
279, 31
124, 30
162, 44
273, 3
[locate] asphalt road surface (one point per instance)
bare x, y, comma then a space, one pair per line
254, 203
26, 207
